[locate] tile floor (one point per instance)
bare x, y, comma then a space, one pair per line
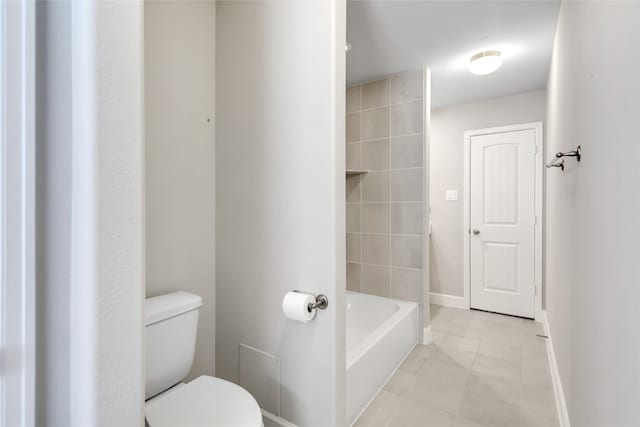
483, 369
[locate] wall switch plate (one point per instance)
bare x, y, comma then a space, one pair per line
451, 194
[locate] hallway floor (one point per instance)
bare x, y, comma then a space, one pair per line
482, 369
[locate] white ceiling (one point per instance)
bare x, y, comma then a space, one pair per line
392, 36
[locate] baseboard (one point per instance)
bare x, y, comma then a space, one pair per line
561, 404
274, 420
426, 336
447, 300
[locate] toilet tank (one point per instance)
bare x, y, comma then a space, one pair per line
171, 323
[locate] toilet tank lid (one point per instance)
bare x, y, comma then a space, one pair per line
169, 305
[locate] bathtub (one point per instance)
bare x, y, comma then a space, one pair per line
380, 334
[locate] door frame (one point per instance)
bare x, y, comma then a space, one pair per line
17, 212
539, 170
426, 230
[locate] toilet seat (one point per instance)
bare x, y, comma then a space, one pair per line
204, 402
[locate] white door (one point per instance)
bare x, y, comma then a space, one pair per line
280, 191
502, 221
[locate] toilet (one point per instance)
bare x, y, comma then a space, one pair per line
171, 323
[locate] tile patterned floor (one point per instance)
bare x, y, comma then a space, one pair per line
483, 369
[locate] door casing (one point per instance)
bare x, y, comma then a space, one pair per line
539, 170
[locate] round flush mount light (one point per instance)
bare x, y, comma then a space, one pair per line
486, 62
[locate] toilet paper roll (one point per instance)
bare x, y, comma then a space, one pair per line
295, 306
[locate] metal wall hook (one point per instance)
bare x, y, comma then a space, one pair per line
577, 153
556, 164
558, 161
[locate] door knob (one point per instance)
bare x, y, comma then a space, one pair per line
476, 231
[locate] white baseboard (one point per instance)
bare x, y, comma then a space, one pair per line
561, 404
447, 300
275, 420
426, 336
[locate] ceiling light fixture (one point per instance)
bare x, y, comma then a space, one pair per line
486, 62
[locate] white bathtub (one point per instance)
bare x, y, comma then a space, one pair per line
380, 334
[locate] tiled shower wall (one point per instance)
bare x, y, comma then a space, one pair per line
385, 206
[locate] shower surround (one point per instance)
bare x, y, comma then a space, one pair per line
385, 205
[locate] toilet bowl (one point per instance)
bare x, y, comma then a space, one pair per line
171, 322
205, 401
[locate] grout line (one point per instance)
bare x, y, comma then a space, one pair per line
396, 202
389, 181
389, 105
393, 169
384, 203
361, 194
388, 76
390, 203
387, 234
389, 266
385, 138
406, 134
389, 137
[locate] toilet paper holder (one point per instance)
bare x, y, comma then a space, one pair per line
322, 302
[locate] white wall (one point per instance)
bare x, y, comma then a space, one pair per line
53, 217
107, 239
592, 274
89, 198
90, 214
17, 213
180, 187
280, 221
448, 125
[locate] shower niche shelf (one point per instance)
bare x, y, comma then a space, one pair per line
356, 172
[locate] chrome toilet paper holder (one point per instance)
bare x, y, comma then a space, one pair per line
322, 302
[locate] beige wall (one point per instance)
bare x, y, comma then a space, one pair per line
448, 125
179, 98
592, 233
385, 206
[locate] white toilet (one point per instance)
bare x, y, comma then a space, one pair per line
171, 322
